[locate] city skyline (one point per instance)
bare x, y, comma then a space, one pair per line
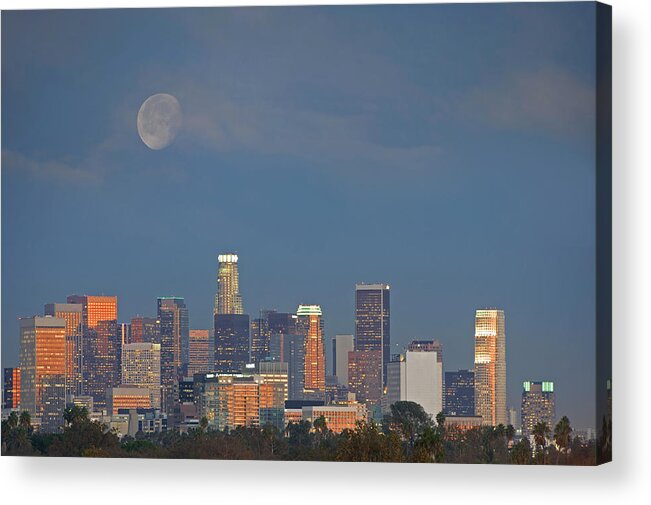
428, 160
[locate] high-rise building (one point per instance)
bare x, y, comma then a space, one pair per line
201, 352
459, 397
231, 342
43, 368
174, 338
101, 345
365, 376
490, 366
417, 377
538, 405
428, 346
373, 321
174, 331
145, 330
341, 346
141, 367
72, 313
281, 322
260, 337
124, 332
290, 348
228, 299
276, 373
11, 388
310, 323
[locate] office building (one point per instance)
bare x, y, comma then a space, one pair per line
459, 393
174, 342
490, 366
275, 373
341, 346
290, 348
228, 299
337, 417
72, 314
145, 330
365, 376
310, 324
231, 342
127, 397
43, 367
101, 345
11, 388
373, 321
201, 352
417, 377
538, 405
261, 336
141, 367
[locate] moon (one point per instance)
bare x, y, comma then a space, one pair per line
159, 119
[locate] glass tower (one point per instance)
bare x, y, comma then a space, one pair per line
490, 367
228, 299
310, 324
372, 321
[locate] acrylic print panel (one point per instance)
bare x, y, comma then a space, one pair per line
352, 233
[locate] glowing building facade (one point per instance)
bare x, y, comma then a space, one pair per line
201, 352
141, 365
228, 299
490, 367
538, 405
43, 368
72, 314
373, 321
310, 324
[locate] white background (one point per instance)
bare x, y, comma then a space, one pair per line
626, 480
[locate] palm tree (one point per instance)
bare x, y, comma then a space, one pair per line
509, 432
562, 433
25, 420
540, 433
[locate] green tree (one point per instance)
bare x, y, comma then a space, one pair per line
541, 432
408, 420
562, 433
367, 443
521, 452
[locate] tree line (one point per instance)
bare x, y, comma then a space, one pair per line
406, 434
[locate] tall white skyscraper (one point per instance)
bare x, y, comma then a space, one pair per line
490, 367
228, 299
418, 377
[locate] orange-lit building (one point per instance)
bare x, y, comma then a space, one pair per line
128, 397
456, 425
310, 323
11, 391
72, 314
200, 359
490, 367
42, 365
338, 418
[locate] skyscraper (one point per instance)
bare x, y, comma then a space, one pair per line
141, 367
260, 337
490, 367
11, 388
310, 324
174, 332
100, 346
538, 405
341, 346
43, 367
72, 314
459, 397
417, 376
373, 321
290, 348
201, 352
145, 329
231, 342
365, 376
228, 299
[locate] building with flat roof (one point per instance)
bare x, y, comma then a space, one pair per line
373, 321
538, 405
490, 366
459, 397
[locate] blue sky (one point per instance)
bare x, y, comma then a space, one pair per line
447, 150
